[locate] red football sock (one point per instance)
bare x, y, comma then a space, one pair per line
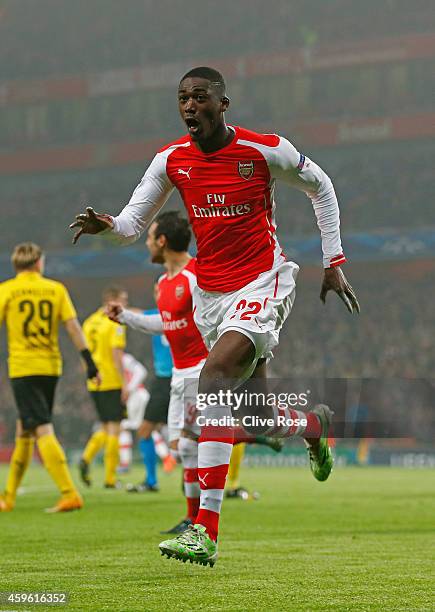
210, 520
291, 423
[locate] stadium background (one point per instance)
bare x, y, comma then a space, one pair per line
87, 94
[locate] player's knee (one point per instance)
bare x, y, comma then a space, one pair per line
215, 376
187, 447
146, 429
26, 434
24, 431
228, 363
113, 428
173, 449
43, 430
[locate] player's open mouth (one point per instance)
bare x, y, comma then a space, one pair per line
193, 125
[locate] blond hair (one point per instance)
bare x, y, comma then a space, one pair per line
112, 293
26, 255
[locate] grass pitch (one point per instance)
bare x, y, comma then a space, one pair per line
362, 541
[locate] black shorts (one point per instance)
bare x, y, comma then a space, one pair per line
108, 405
34, 396
160, 392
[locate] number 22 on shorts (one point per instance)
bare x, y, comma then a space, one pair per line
249, 310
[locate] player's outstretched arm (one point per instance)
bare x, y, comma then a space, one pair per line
146, 200
75, 332
335, 280
149, 324
91, 222
296, 169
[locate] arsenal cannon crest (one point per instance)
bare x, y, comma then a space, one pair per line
246, 169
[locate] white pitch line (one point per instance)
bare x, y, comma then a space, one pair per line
25, 490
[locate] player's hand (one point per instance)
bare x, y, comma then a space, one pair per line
335, 280
92, 372
97, 379
113, 310
91, 222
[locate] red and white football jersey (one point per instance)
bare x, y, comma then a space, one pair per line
228, 195
174, 301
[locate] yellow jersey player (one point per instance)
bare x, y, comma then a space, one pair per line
32, 307
107, 341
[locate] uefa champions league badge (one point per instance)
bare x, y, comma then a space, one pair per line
301, 163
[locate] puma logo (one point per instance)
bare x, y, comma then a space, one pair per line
202, 480
186, 172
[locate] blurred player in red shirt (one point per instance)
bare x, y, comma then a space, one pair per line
167, 241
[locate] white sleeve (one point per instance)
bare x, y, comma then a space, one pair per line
147, 199
149, 324
287, 164
137, 371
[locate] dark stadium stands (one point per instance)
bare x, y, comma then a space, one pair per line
40, 38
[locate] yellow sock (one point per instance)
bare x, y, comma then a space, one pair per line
234, 467
21, 457
111, 459
94, 445
55, 462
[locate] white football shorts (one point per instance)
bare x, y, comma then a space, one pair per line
257, 310
182, 403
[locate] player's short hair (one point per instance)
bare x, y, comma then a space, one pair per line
175, 229
112, 292
25, 255
212, 75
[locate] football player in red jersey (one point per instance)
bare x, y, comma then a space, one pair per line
245, 287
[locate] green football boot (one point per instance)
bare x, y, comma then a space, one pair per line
193, 545
321, 459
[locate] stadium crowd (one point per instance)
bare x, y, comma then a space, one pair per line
366, 91
40, 38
